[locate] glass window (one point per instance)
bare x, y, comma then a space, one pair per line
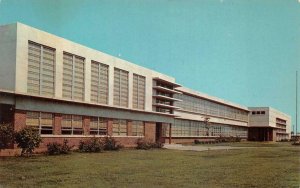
120, 87
120, 127
98, 126
72, 125
73, 77
42, 122
41, 69
138, 128
99, 83
138, 94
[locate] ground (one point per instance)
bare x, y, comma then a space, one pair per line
264, 165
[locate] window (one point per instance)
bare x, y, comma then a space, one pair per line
119, 127
120, 87
203, 106
262, 112
72, 125
138, 128
41, 69
138, 95
99, 83
98, 126
43, 122
73, 77
253, 112
198, 128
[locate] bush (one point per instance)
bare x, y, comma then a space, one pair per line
6, 135
28, 139
57, 149
146, 144
158, 145
111, 144
92, 145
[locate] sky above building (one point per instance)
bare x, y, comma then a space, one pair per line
245, 51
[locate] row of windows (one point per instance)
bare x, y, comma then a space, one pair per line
258, 112
198, 128
73, 125
207, 107
41, 78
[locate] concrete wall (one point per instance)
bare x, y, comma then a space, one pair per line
259, 120
8, 57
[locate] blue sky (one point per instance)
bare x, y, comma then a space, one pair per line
245, 51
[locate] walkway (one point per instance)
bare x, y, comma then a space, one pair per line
199, 147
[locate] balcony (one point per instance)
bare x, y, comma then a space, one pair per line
166, 97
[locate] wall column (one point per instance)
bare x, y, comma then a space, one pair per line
110, 127
150, 131
129, 128
19, 120
86, 125
170, 133
57, 124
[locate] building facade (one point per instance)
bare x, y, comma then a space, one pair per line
268, 124
69, 91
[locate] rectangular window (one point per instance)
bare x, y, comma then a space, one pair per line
138, 94
73, 77
41, 70
138, 128
98, 126
99, 83
43, 122
119, 127
120, 87
72, 125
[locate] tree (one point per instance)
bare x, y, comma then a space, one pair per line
28, 139
6, 135
207, 125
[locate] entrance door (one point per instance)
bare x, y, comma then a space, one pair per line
158, 132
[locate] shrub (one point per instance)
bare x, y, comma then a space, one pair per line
92, 145
143, 144
6, 135
158, 145
146, 144
57, 149
28, 139
111, 144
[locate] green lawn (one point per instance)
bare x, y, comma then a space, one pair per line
255, 167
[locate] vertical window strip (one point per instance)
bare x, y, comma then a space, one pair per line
73, 77
120, 87
138, 95
99, 83
41, 70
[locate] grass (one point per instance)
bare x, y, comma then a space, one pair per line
274, 166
